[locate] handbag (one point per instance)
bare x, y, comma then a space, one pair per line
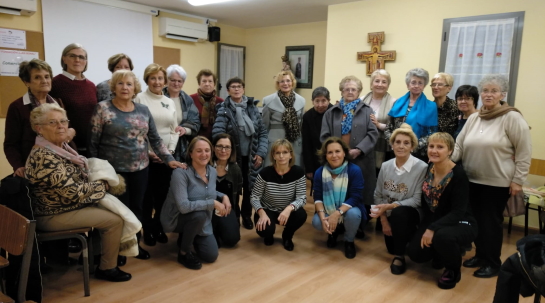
516, 205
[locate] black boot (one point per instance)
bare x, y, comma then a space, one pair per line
142, 253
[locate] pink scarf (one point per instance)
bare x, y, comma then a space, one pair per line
65, 152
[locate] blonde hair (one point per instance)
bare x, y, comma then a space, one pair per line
381, 72
281, 75
191, 147
407, 130
122, 74
152, 69
449, 81
285, 143
38, 114
444, 138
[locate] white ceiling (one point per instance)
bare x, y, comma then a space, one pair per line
253, 13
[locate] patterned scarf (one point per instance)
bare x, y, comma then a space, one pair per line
433, 194
208, 114
244, 122
334, 196
348, 114
65, 152
289, 117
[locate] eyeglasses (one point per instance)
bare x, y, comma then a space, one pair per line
63, 122
223, 148
493, 91
439, 85
282, 153
176, 81
284, 81
73, 57
416, 83
350, 90
464, 99
235, 87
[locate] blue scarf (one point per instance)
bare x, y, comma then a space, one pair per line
348, 114
422, 116
333, 197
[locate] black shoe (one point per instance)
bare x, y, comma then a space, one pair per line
288, 244
74, 246
398, 269
437, 264
472, 263
161, 237
121, 260
448, 279
189, 260
142, 254
486, 272
149, 238
247, 223
360, 234
268, 241
349, 250
332, 240
112, 275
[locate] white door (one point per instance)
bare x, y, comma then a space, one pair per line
230, 64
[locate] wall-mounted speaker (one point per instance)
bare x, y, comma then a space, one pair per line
214, 33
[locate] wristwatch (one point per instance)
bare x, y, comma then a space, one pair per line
341, 211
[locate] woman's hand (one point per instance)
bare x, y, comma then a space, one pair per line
380, 210
374, 119
70, 134
333, 220
325, 225
154, 158
20, 172
386, 228
220, 208
257, 161
263, 220
180, 130
354, 153
284, 215
514, 189
176, 164
227, 204
427, 238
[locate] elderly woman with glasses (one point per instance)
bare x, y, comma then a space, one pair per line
115, 62
447, 109
467, 98
350, 120
283, 114
239, 117
415, 109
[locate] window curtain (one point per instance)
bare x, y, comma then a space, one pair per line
478, 48
231, 65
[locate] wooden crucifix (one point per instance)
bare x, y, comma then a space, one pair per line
376, 59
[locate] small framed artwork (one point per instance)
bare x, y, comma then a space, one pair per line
302, 64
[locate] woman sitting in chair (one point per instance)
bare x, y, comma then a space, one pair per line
62, 196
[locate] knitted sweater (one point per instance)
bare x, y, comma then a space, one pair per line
163, 111
487, 148
312, 127
80, 99
274, 192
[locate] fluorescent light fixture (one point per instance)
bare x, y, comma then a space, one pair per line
205, 2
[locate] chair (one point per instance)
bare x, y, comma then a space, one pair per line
86, 244
17, 238
532, 199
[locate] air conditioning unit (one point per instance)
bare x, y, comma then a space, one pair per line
18, 7
182, 30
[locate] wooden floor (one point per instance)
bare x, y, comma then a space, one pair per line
252, 272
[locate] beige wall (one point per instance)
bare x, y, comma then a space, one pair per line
265, 46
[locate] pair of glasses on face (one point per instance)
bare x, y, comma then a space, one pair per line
63, 122
350, 90
176, 81
464, 99
282, 153
439, 85
73, 57
284, 81
223, 148
235, 87
416, 83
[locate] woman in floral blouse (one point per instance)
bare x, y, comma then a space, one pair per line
120, 131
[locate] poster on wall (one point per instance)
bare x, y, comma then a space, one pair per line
301, 61
12, 38
10, 60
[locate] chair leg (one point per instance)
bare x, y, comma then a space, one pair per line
539, 210
526, 220
85, 252
91, 252
510, 224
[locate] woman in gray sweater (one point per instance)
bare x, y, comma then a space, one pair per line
397, 195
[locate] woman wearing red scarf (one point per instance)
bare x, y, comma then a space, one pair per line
206, 100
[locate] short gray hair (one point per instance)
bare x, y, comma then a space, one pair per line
70, 47
417, 72
37, 115
320, 92
497, 79
175, 68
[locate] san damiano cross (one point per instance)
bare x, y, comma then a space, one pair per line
376, 59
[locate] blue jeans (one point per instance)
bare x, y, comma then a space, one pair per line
351, 222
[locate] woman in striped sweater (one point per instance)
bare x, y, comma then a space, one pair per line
279, 195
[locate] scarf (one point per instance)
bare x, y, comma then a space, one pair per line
208, 113
432, 194
245, 124
289, 117
65, 152
334, 196
422, 116
499, 111
348, 114
35, 103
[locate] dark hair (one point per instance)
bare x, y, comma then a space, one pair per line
468, 91
235, 80
233, 157
26, 67
322, 153
206, 73
114, 60
320, 92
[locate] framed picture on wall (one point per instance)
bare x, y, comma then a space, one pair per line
302, 64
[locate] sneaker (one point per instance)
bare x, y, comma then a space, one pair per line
189, 260
449, 279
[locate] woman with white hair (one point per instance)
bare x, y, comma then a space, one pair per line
187, 114
415, 109
487, 145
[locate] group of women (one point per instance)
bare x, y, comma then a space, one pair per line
186, 159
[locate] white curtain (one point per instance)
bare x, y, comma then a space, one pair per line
231, 65
477, 48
